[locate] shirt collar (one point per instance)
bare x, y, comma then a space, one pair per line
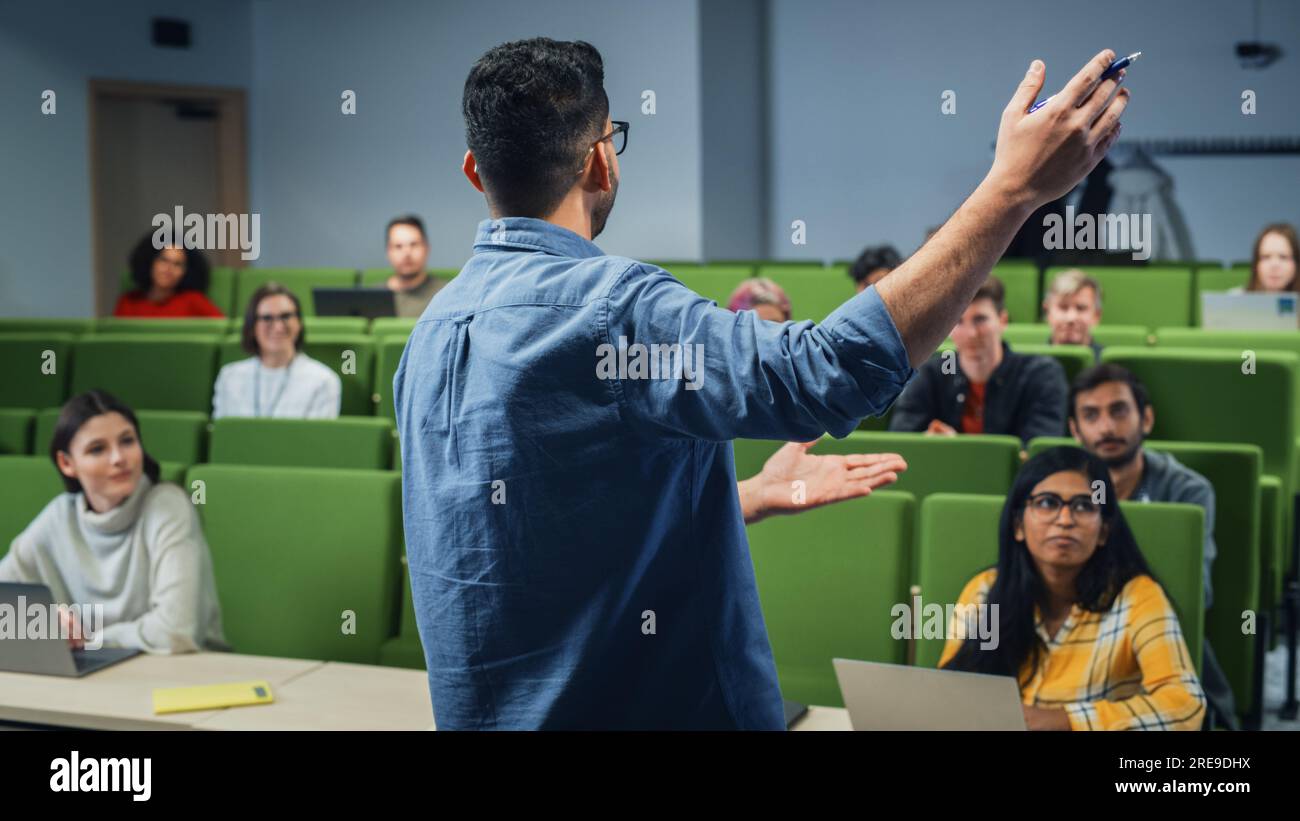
528, 234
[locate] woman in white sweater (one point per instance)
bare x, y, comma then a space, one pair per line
277, 380
119, 538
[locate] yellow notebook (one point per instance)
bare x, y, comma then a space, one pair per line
211, 696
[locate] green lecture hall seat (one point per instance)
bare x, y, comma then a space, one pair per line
1027, 333
299, 280
16, 426
194, 325
959, 539
313, 552
330, 325
1148, 295
388, 354
28, 484
1234, 471
147, 371
34, 367
356, 442
1021, 281
1072, 358
715, 282
404, 649
392, 326
825, 580
221, 288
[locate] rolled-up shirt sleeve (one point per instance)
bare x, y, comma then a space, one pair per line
742, 376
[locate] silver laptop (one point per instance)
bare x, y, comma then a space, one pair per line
1249, 312
898, 697
47, 656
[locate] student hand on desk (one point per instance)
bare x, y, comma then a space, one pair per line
794, 479
1039, 718
938, 428
68, 624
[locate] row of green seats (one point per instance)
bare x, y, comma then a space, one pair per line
178, 371
307, 561
206, 326
829, 579
190, 437
986, 465
230, 288
1156, 295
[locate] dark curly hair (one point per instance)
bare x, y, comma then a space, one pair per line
143, 255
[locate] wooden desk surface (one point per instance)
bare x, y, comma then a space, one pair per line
309, 695
121, 697
338, 696
823, 718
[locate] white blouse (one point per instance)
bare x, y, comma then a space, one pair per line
303, 389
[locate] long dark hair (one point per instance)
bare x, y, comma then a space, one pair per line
1287, 233
1019, 586
197, 272
76, 412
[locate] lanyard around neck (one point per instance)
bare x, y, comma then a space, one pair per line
257, 390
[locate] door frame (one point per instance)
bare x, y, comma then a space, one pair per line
232, 157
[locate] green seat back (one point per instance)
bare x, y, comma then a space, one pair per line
75, 327
1038, 333
1073, 358
1021, 280
194, 325
358, 442
825, 579
388, 354
16, 431
299, 280
221, 288
28, 483
34, 368
304, 556
392, 326
1150, 295
147, 371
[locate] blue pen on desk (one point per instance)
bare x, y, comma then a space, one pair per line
1111, 71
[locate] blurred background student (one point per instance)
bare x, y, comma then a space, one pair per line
408, 251
762, 296
1272, 264
278, 380
1072, 307
169, 282
872, 265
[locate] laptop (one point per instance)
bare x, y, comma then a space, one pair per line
367, 302
898, 697
51, 656
1249, 312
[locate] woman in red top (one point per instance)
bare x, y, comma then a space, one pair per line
170, 282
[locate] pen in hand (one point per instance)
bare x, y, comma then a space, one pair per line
1113, 69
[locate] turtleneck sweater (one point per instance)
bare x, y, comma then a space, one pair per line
145, 561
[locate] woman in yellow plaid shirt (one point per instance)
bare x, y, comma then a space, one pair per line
1082, 623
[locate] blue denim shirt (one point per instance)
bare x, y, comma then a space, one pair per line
574, 536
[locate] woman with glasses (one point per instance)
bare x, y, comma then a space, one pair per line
278, 380
1082, 623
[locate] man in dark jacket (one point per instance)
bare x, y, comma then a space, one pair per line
983, 386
